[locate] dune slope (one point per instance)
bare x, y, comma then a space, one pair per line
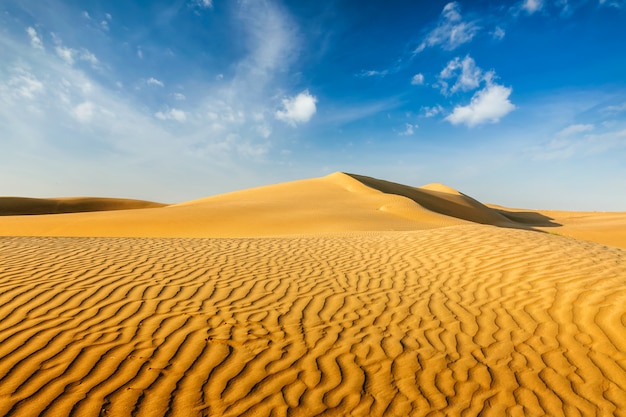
467, 320
335, 203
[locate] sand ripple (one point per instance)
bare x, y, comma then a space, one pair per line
465, 320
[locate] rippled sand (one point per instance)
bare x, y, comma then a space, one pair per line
465, 319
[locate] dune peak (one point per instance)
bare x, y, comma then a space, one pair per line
441, 188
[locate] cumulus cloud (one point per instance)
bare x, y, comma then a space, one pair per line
172, 114
418, 79
451, 31
468, 75
154, 81
298, 109
488, 105
575, 129
35, 40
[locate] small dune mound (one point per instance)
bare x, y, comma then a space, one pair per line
442, 188
16, 206
443, 200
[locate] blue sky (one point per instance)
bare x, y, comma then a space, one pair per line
519, 103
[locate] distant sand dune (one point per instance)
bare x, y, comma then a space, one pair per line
467, 320
13, 206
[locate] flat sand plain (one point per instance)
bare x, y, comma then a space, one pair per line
341, 295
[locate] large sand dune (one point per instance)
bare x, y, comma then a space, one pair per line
342, 295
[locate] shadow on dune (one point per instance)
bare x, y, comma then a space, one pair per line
455, 204
18, 206
529, 218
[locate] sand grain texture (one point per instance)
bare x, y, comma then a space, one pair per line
400, 305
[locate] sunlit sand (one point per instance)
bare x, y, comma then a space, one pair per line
341, 295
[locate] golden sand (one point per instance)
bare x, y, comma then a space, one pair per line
378, 299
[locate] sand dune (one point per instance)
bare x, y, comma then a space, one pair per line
377, 299
14, 206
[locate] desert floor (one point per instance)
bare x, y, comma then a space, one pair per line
341, 295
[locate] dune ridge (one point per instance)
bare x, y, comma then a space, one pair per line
465, 320
336, 203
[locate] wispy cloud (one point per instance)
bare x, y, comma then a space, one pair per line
71, 55
409, 129
575, 129
298, 109
573, 143
451, 30
35, 40
431, 111
154, 81
172, 114
498, 33
488, 105
204, 4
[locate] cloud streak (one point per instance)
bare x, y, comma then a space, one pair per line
451, 30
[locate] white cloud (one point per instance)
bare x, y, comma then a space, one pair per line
70, 55
35, 40
66, 54
374, 73
23, 84
108, 16
204, 4
498, 33
179, 96
154, 81
84, 112
614, 109
468, 75
575, 129
531, 6
451, 31
613, 3
172, 114
431, 111
298, 109
408, 129
105, 25
418, 79
488, 105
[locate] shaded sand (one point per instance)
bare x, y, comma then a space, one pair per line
341, 295
12, 206
467, 320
